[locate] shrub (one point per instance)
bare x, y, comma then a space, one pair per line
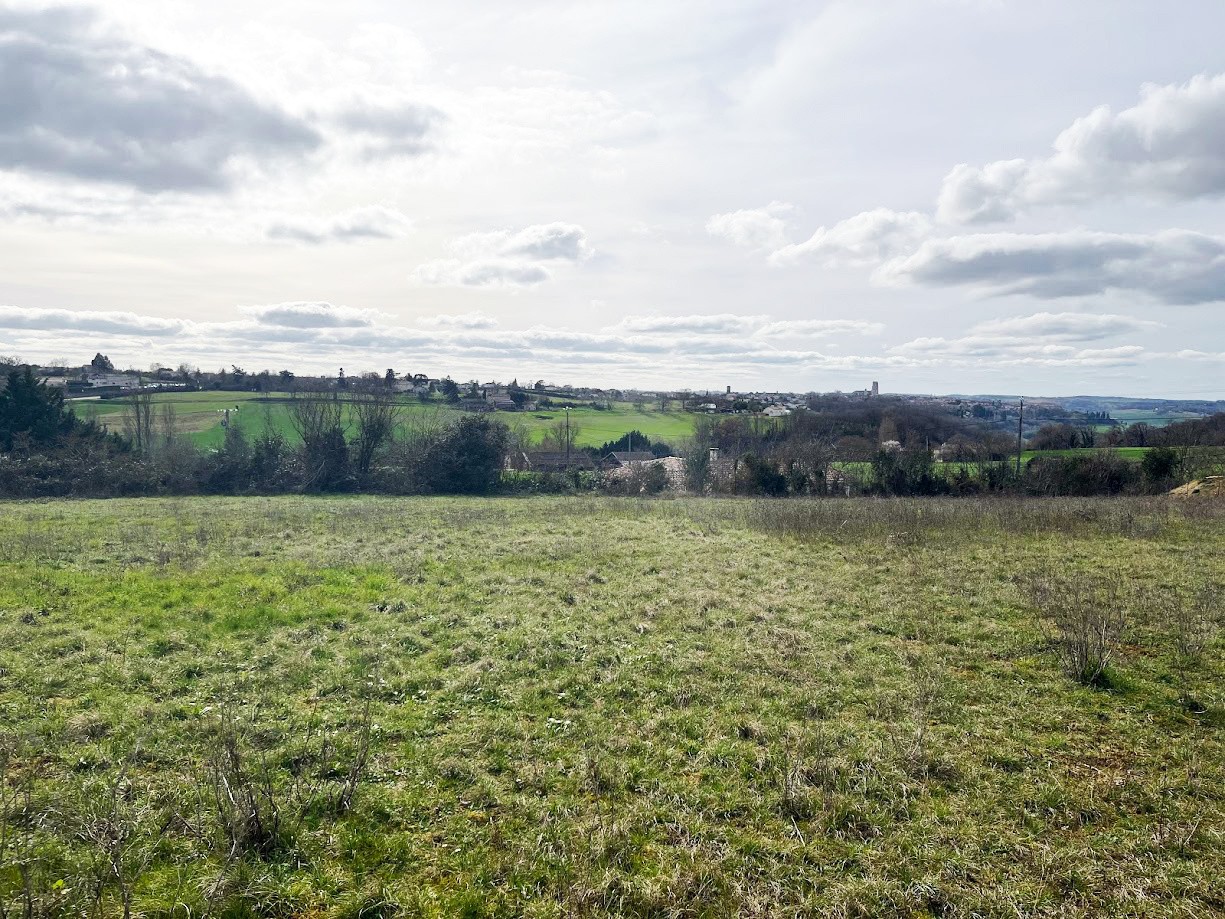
467, 459
1084, 622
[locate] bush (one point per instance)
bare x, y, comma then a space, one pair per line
1083, 620
1091, 474
1159, 465
467, 459
757, 476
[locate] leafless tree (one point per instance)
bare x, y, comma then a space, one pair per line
376, 414
561, 436
138, 421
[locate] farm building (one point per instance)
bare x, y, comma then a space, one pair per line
619, 458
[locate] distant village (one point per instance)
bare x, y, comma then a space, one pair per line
100, 379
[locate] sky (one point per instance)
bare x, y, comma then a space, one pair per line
972, 196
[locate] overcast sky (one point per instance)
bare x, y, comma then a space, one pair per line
942, 195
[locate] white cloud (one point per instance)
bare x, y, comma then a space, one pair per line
507, 258
353, 225
1039, 339
863, 239
1065, 326
820, 327
1173, 266
720, 324
1169, 146
474, 320
755, 228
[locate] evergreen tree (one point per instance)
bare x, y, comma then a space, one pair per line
30, 408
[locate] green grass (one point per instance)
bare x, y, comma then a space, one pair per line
1134, 454
1132, 416
585, 707
199, 415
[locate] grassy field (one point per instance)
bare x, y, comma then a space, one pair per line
1134, 454
1132, 416
581, 707
199, 414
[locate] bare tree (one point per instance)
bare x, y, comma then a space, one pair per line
561, 436
138, 421
170, 424
376, 414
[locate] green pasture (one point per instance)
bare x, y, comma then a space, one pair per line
572, 707
200, 414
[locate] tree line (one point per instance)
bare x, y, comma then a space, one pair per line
359, 442
362, 440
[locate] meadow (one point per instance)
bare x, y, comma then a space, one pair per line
199, 415
550, 707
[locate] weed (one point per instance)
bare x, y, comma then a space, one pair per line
1083, 619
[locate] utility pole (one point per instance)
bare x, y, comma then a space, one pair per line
568, 439
1020, 423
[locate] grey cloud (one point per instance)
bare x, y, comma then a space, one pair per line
78, 102
1170, 146
1173, 266
122, 323
321, 331
350, 226
404, 129
311, 316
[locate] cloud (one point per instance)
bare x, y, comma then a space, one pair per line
308, 336
720, 324
819, 327
1169, 146
475, 320
863, 239
312, 316
122, 323
1044, 339
507, 258
452, 272
395, 129
756, 228
87, 105
975, 350
1173, 266
353, 225
1065, 326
